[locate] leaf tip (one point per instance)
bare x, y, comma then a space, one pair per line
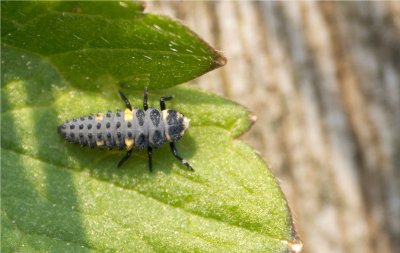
220, 60
296, 246
252, 118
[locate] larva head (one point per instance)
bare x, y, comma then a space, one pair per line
175, 124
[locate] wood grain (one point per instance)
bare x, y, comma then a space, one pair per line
323, 80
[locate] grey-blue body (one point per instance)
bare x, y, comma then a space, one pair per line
133, 128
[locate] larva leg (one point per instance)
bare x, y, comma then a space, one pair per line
126, 101
175, 152
162, 101
145, 106
126, 157
150, 155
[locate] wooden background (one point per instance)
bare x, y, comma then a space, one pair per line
324, 81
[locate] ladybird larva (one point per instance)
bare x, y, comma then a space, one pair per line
132, 129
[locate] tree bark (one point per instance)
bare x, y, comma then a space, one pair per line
324, 81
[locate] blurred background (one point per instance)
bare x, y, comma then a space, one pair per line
323, 80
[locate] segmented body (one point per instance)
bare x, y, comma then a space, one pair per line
133, 128
129, 129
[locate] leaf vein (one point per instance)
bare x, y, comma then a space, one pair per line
125, 49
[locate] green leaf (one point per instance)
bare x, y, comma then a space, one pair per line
93, 45
60, 197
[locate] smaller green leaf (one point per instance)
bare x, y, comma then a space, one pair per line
97, 44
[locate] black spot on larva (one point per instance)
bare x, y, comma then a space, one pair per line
89, 126
81, 126
71, 126
119, 134
118, 114
99, 135
98, 125
72, 135
155, 117
90, 117
140, 142
118, 124
108, 125
108, 114
171, 118
129, 134
74, 120
129, 124
90, 135
157, 138
140, 117
80, 135
175, 132
82, 118
109, 135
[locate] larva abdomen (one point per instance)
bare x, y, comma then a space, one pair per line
130, 129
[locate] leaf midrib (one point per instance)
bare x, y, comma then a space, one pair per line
49, 56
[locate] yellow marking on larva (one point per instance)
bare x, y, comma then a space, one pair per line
186, 122
100, 142
164, 116
167, 133
129, 143
99, 116
128, 115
